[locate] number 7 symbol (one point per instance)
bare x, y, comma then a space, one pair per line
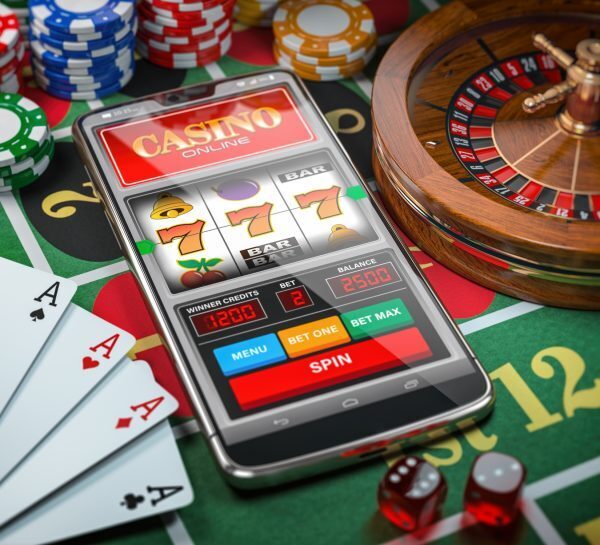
327, 198
258, 216
190, 234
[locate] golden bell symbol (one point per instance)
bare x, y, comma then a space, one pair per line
167, 206
342, 236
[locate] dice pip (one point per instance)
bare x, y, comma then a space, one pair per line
411, 493
494, 488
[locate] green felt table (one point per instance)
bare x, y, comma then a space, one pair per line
544, 362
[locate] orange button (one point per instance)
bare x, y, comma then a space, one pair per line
313, 336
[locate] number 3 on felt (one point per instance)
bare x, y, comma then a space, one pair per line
189, 233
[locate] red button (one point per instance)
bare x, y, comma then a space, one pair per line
329, 368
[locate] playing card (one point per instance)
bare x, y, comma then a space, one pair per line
145, 478
81, 351
31, 303
124, 406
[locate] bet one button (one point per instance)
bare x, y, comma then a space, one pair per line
313, 336
250, 354
375, 319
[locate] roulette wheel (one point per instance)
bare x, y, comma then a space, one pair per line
486, 123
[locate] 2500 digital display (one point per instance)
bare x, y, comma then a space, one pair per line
231, 316
364, 279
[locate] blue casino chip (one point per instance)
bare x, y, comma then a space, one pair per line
81, 16
66, 36
49, 59
85, 75
86, 95
108, 81
69, 45
128, 42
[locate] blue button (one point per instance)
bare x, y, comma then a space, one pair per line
251, 354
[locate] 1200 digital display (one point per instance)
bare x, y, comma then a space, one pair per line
231, 316
364, 279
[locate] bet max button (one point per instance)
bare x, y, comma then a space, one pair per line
250, 354
376, 319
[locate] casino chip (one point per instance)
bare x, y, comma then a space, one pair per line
90, 39
19, 8
256, 12
12, 50
324, 40
26, 143
184, 34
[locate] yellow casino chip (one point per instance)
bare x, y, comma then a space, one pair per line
323, 28
345, 70
340, 60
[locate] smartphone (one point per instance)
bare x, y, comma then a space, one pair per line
304, 332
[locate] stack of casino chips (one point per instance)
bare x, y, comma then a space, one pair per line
26, 143
12, 50
324, 40
184, 33
19, 8
82, 49
255, 12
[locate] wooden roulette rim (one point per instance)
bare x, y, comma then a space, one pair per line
477, 195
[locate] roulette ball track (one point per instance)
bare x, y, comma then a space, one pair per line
486, 125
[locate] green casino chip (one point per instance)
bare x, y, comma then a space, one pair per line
28, 162
23, 130
29, 175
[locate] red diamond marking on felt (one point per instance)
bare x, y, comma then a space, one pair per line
123, 423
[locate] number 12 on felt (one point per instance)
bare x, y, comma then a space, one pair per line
573, 399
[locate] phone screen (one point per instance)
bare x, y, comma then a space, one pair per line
288, 294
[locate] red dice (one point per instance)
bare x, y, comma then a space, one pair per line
411, 493
494, 488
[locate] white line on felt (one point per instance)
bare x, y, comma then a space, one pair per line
443, 528
540, 523
186, 428
61, 133
364, 83
563, 479
99, 274
431, 5
215, 71
497, 317
24, 232
176, 529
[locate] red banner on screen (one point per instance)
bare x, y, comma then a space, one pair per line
203, 135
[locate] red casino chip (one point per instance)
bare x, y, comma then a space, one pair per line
144, 34
9, 30
190, 11
193, 4
163, 25
185, 60
206, 45
162, 30
184, 23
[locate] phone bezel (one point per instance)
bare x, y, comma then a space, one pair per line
242, 461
